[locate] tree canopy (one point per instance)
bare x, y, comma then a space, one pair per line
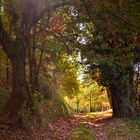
79, 49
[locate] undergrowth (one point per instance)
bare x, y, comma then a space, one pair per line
46, 111
123, 129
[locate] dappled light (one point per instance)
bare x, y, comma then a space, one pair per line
69, 70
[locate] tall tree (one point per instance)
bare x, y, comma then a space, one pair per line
107, 34
16, 23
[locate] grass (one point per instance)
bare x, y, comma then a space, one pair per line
118, 129
123, 129
84, 131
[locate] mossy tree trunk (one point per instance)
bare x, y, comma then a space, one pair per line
123, 97
119, 81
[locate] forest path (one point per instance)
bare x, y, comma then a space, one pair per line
60, 130
63, 128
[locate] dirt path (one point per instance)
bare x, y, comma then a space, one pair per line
99, 123
61, 130
99, 131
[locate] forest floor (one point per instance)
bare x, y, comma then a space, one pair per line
93, 126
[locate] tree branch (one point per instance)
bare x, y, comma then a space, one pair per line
70, 67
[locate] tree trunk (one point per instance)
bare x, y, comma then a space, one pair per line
16, 100
16, 52
121, 102
77, 103
90, 103
7, 73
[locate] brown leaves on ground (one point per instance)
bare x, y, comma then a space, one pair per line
104, 127
8, 132
60, 130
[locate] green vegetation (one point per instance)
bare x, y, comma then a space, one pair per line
46, 111
90, 98
83, 132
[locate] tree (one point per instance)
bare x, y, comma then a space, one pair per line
16, 24
115, 52
106, 33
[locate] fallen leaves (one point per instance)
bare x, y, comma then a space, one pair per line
60, 130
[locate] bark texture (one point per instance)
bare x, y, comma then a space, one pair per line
123, 99
16, 53
16, 100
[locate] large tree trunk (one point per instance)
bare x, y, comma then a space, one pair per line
121, 89
122, 102
16, 100
16, 53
